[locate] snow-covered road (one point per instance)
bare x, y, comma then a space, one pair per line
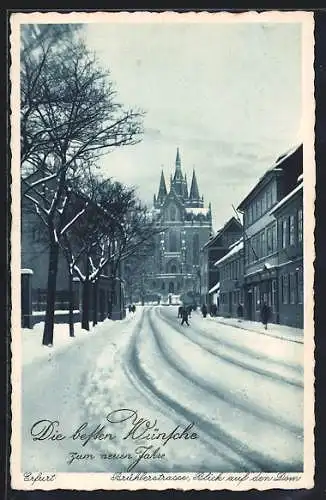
236, 395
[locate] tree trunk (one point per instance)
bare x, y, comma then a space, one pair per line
85, 305
51, 293
95, 302
71, 307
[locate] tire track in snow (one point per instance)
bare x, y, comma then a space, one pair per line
143, 383
246, 366
266, 465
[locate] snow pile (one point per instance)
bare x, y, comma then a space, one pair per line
31, 339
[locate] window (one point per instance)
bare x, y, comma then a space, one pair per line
284, 233
274, 193
274, 295
285, 288
173, 269
291, 230
258, 208
173, 241
269, 197
263, 203
300, 285
262, 244
293, 288
195, 246
300, 225
269, 241
274, 237
172, 213
248, 215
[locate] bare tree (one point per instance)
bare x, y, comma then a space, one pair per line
69, 117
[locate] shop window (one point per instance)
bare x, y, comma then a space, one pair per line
285, 289
300, 285
293, 289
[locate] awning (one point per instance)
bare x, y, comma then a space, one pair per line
215, 288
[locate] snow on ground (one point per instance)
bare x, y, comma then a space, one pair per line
240, 392
274, 330
31, 339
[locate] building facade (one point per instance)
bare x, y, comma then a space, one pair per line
262, 234
289, 216
184, 225
231, 273
213, 250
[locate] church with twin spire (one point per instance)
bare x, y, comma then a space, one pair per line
186, 225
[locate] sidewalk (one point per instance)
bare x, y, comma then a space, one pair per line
279, 331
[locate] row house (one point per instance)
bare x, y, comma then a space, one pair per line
272, 223
214, 249
231, 274
289, 216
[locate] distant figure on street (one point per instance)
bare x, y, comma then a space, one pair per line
264, 314
133, 308
240, 311
214, 310
184, 316
189, 311
130, 308
204, 310
180, 309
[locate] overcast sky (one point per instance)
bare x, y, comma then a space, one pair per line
228, 95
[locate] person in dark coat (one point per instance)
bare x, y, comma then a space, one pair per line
264, 314
180, 312
184, 316
189, 311
133, 308
240, 311
204, 310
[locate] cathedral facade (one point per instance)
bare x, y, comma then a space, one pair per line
186, 225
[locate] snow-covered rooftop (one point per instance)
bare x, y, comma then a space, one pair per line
214, 288
234, 248
286, 198
197, 210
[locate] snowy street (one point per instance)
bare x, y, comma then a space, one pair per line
233, 397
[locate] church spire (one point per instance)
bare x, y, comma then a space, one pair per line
162, 191
177, 160
194, 191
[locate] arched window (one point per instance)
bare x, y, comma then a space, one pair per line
163, 286
173, 269
173, 241
195, 249
171, 287
173, 213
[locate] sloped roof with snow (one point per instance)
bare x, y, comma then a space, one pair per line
234, 248
215, 288
287, 198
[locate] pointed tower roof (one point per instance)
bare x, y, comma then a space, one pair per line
194, 191
177, 173
162, 191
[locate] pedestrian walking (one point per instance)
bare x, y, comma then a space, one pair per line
240, 311
204, 310
214, 310
133, 308
264, 314
189, 311
185, 316
180, 309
